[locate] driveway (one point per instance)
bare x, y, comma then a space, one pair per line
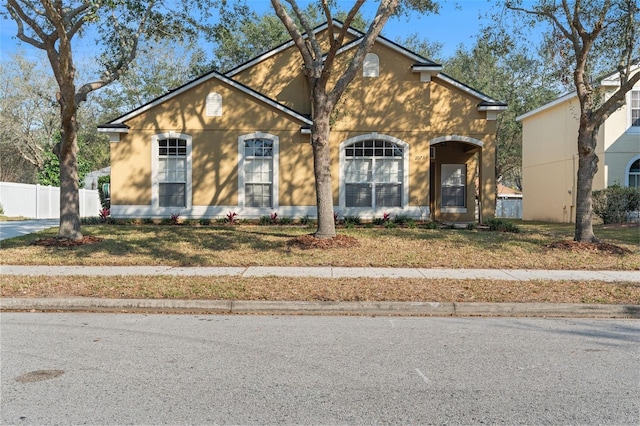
17, 228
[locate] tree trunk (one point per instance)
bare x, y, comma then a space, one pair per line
69, 196
587, 168
322, 170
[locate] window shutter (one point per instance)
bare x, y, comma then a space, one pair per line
214, 105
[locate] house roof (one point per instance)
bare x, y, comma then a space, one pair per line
118, 126
608, 80
422, 64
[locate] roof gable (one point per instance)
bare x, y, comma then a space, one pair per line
118, 124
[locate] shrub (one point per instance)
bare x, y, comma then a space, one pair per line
105, 199
471, 226
502, 226
1, 209
104, 215
390, 225
286, 221
175, 218
204, 221
379, 221
432, 225
614, 203
401, 219
264, 220
232, 217
352, 220
304, 220
147, 221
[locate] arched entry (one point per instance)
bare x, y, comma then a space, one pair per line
459, 177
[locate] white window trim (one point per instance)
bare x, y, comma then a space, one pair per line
342, 198
630, 128
275, 196
456, 209
628, 170
155, 198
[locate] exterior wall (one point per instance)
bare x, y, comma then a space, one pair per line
550, 162
214, 152
621, 144
396, 104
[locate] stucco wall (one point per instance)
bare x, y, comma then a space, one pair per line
550, 163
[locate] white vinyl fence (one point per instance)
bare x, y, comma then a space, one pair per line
42, 202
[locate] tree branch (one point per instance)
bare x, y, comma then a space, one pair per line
296, 36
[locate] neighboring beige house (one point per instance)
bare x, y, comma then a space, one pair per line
550, 157
406, 139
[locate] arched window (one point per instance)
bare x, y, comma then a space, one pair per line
214, 105
374, 173
258, 177
633, 175
371, 67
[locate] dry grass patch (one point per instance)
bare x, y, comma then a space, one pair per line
124, 245
315, 289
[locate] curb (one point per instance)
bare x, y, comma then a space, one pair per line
325, 308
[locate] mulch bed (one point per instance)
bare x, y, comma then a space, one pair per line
576, 246
310, 242
65, 242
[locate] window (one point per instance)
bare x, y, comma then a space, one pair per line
635, 109
374, 174
214, 105
453, 189
371, 66
172, 172
634, 175
258, 172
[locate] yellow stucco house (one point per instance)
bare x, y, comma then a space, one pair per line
406, 139
550, 153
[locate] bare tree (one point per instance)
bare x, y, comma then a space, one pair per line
52, 25
28, 117
586, 35
319, 68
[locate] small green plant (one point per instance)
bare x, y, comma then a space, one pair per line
204, 221
304, 220
222, 220
471, 226
286, 220
378, 221
147, 221
90, 220
401, 219
352, 220
232, 217
264, 220
390, 225
411, 224
432, 225
502, 225
1, 209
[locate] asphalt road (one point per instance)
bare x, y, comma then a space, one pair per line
157, 369
16, 228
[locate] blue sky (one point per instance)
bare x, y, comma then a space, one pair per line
457, 24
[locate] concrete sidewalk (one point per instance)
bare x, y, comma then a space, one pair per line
329, 272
